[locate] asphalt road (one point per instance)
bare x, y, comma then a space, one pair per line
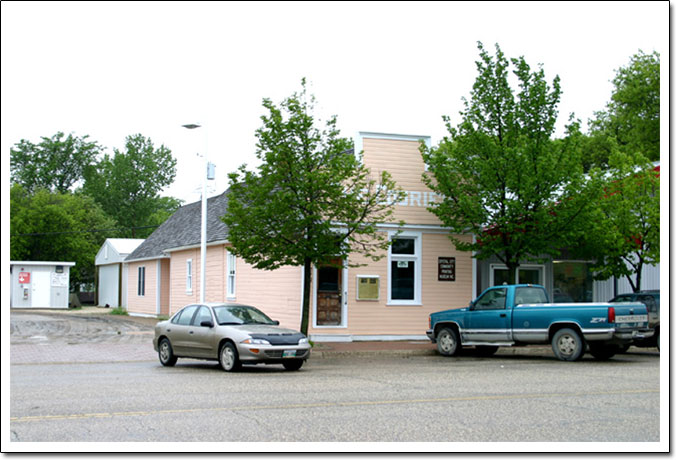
507, 398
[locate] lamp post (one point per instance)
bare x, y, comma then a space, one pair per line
203, 237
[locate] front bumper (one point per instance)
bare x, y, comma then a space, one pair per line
249, 353
430, 335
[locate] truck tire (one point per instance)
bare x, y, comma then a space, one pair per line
603, 352
567, 345
448, 342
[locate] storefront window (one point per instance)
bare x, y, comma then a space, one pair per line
572, 282
404, 270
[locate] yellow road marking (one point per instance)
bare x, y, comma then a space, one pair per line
38, 418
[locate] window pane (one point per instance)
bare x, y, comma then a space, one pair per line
186, 315
529, 295
403, 246
492, 300
529, 276
500, 276
202, 315
403, 280
572, 282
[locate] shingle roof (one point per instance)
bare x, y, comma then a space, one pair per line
183, 228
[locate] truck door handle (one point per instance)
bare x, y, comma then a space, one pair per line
192, 332
503, 315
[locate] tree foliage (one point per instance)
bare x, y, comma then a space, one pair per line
55, 163
127, 184
500, 173
624, 235
57, 226
311, 199
631, 121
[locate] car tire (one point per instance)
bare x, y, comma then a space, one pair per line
229, 358
603, 352
166, 353
293, 365
486, 350
568, 345
448, 343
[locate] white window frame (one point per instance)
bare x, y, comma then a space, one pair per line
231, 276
416, 258
524, 266
141, 284
188, 276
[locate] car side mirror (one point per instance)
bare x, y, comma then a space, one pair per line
207, 324
276, 323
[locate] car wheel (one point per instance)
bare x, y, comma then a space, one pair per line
486, 350
658, 339
448, 343
293, 365
603, 351
166, 353
567, 345
229, 358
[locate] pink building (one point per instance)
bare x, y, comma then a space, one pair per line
385, 300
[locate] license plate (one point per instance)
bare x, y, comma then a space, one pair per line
631, 319
289, 354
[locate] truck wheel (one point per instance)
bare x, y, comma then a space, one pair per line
567, 345
603, 351
486, 350
448, 343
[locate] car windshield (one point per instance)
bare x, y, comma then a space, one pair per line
238, 314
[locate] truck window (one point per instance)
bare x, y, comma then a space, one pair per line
526, 295
492, 300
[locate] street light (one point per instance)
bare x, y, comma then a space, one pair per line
203, 238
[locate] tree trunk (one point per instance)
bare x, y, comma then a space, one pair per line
307, 294
511, 273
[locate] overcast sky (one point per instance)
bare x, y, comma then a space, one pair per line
110, 70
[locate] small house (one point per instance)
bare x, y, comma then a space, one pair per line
39, 284
111, 276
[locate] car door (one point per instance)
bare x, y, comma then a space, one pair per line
488, 319
202, 338
179, 331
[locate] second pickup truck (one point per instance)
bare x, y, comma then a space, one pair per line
516, 315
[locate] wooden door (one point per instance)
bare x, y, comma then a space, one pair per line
329, 294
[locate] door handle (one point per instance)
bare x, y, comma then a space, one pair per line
168, 330
192, 332
503, 315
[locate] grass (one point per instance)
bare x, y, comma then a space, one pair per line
119, 311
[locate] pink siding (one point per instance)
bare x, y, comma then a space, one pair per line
215, 280
146, 304
277, 293
165, 287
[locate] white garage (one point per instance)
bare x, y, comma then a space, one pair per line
36, 284
111, 284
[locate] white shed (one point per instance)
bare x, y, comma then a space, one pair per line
111, 285
39, 284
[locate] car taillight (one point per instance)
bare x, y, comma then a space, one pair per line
611, 314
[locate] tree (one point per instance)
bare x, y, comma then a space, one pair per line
127, 185
310, 201
501, 175
632, 117
625, 234
57, 226
55, 163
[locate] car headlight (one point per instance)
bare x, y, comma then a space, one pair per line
304, 341
251, 341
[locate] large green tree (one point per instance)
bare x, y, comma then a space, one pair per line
501, 175
48, 225
310, 201
624, 234
631, 121
55, 163
127, 185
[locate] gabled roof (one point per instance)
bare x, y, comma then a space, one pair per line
124, 246
183, 229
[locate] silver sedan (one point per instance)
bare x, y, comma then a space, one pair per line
233, 334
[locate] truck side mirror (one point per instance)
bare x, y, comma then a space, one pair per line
471, 305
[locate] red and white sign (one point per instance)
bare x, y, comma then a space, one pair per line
24, 277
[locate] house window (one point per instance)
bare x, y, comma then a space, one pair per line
404, 271
141, 281
231, 275
525, 274
573, 281
188, 276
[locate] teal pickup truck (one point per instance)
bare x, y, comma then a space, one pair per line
516, 315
